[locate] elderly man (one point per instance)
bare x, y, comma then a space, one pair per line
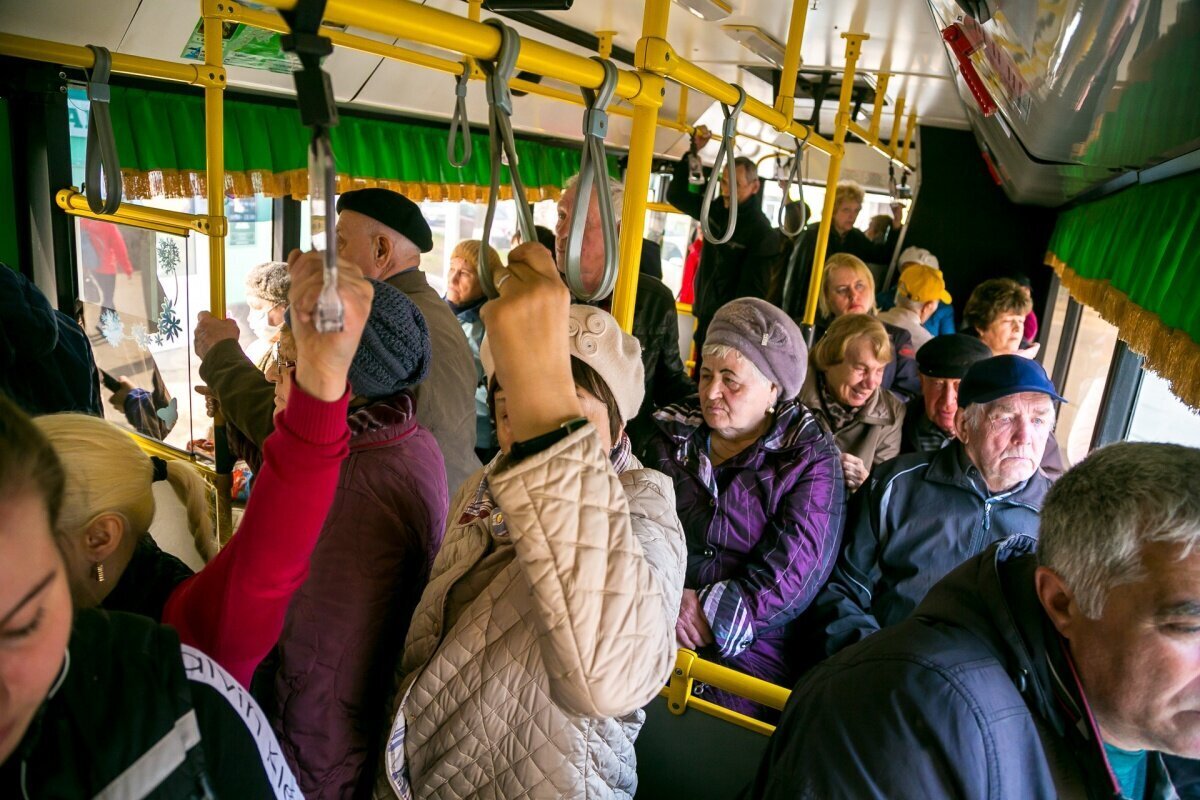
1065, 672
922, 515
384, 234
918, 294
655, 324
929, 419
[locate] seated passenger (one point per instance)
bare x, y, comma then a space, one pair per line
548, 620
849, 288
844, 391
344, 629
267, 296
760, 493
929, 419
942, 320
105, 705
233, 609
655, 323
465, 297
1064, 668
920, 290
996, 313
922, 515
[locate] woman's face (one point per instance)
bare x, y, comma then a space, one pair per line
733, 398
1003, 336
264, 319
848, 292
859, 376
845, 215
595, 411
282, 372
35, 614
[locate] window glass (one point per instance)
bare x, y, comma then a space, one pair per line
1049, 353
673, 232
1087, 376
1160, 416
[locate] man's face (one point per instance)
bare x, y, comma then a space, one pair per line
1140, 662
1004, 334
941, 401
747, 187
354, 242
462, 283
845, 215
591, 255
1007, 443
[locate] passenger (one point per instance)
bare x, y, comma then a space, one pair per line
879, 227
267, 296
655, 321
548, 621
996, 313
651, 260
105, 705
46, 361
760, 492
465, 296
742, 266
929, 419
844, 391
233, 609
942, 320
384, 234
343, 633
1031, 320
918, 295
849, 288
1061, 669
922, 515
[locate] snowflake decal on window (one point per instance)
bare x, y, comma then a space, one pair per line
140, 335
168, 322
168, 256
111, 327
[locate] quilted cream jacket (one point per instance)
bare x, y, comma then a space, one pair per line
547, 624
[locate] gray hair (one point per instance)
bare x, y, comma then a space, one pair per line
1099, 516
270, 281
722, 350
616, 190
909, 303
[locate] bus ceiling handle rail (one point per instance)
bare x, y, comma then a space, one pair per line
593, 173
460, 126
102, 157
795, 176
724, 160
502, 147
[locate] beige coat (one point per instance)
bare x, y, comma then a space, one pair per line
874, 436
544, 630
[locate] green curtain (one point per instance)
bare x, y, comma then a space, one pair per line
160, 140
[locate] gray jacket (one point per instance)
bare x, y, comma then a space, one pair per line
920, 517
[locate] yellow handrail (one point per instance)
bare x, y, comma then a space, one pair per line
70, 55
175, 223
689, 668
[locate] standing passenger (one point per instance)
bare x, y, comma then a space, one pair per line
547, 623
760, 493
465, 297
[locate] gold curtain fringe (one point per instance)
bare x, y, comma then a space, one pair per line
1170, 352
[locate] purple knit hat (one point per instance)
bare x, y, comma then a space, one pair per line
767, 337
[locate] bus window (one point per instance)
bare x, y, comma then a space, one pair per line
1087, 376
1160, 416
1058, 316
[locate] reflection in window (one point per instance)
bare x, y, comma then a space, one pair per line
1160, 416
1087, 376
1049, 353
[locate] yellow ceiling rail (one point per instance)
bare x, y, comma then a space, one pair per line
175, 223
70, 55
908, 135
896, 125
890, 154
785, 101
881, 84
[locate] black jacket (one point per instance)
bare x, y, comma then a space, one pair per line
147, 582
127, 686
799, 268
739, 268
972, 697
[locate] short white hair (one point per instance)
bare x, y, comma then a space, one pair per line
909, 303
616, 191
722, 350
1098, 517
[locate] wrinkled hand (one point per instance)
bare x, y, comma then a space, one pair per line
117, 400
897, 215
210, 330
527, 330
323, 359
211, 405
1030, 352
701, 137
692, 629
855, 471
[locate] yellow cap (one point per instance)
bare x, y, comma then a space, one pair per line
923, 284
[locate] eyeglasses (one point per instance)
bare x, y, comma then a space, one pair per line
281, 364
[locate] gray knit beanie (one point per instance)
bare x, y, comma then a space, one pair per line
767, 337
271, 282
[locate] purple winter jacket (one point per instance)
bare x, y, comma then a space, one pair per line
763, 530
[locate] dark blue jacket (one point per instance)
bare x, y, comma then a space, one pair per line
918, 517
972, 697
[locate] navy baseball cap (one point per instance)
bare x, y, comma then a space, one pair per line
1000, 376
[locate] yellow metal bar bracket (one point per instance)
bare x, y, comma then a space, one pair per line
155, 219
908, 135
894, 142
881, 85
605, 43
679, 688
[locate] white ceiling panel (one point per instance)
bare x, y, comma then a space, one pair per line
98, 22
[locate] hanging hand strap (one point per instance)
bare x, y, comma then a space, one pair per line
102, 167
795, 176
460, 126
502, 147
593, 173
725, 160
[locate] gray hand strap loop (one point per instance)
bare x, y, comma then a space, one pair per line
795, 176
102, 167
460, 126
725, 160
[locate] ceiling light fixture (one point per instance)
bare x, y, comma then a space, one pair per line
757, 41
709, 10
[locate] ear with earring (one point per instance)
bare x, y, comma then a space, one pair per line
99, 572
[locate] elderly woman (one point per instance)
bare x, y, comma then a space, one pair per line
996, 313
464, 295
267, 296
849, 288
760, 494
844, 390
548, 620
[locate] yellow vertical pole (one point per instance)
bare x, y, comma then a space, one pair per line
881, 85
214, 151
785, 102
894, 142
842, 122
641, 155
682, 116
908, 135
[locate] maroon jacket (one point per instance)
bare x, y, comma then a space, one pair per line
345, 628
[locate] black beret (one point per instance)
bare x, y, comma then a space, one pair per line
392, 209
950, 355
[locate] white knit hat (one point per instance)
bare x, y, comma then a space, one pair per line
918, 255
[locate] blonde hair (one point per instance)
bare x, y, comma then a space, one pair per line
468, 251
108, 473
848, 190
831, 350
845, 261
722, 350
